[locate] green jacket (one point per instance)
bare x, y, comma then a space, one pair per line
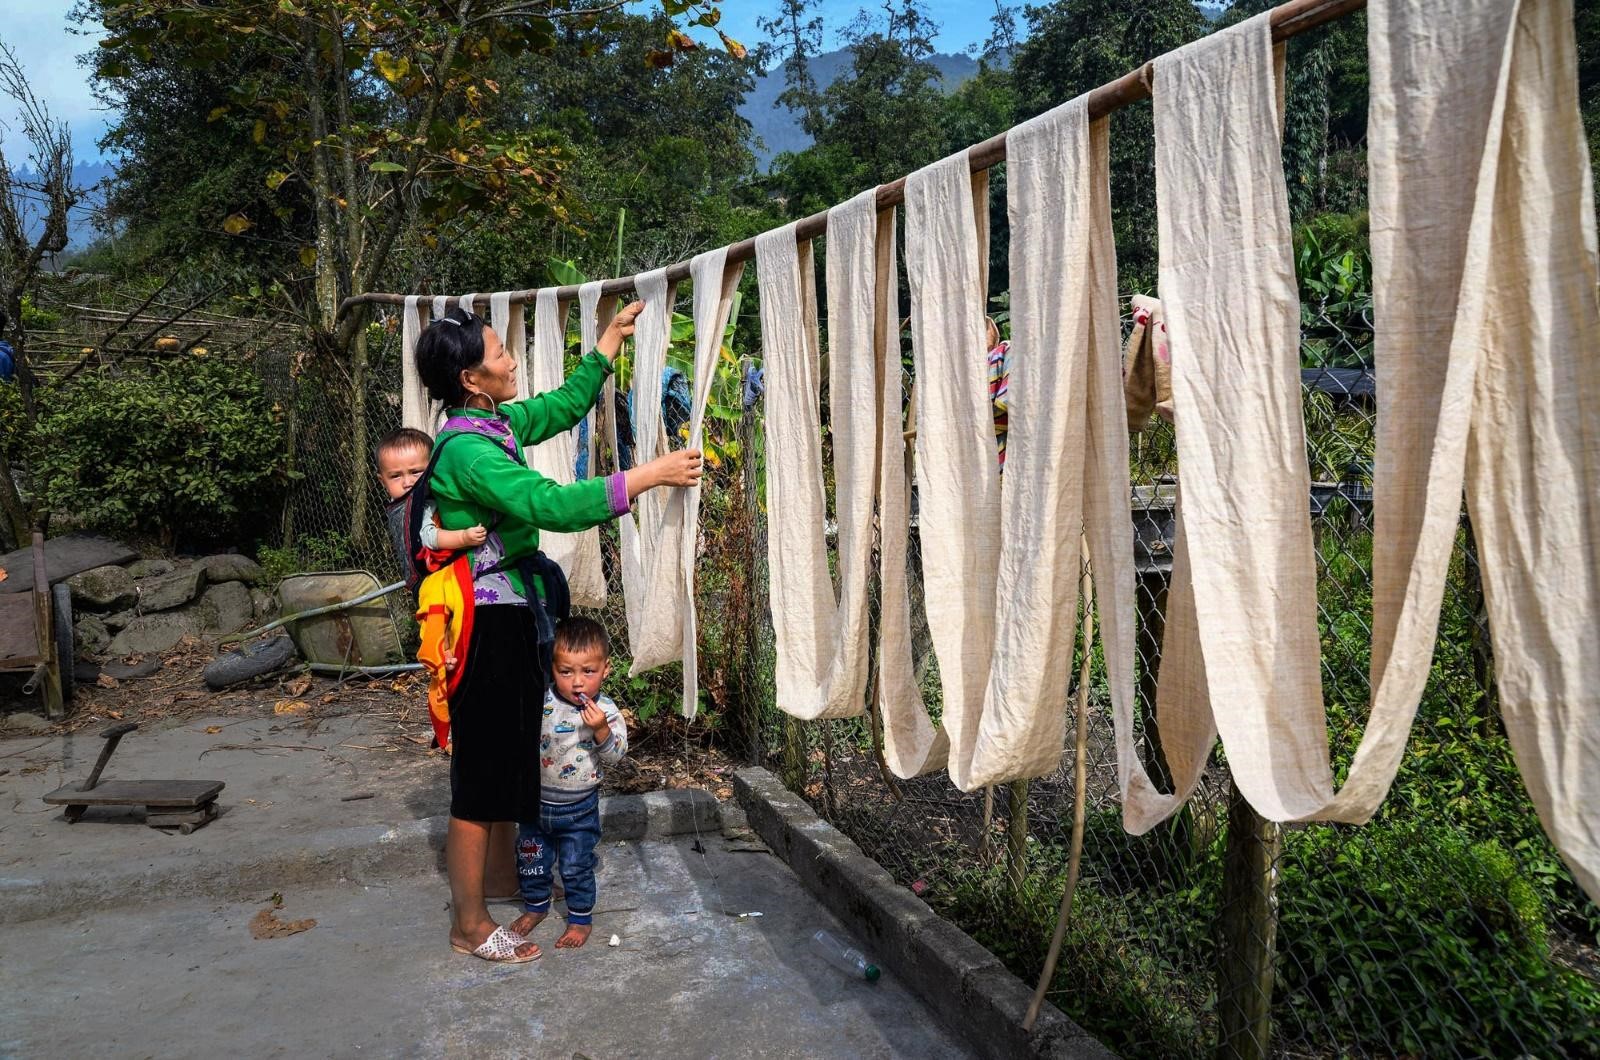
475, 480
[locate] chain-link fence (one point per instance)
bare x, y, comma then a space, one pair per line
1445, 927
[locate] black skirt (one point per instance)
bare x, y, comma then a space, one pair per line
496, 716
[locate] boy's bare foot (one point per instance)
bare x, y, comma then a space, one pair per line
525, 923
575, 935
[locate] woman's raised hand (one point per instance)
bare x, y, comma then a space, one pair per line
681, 468
621, 327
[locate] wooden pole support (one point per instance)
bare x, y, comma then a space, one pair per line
1288, 20
1249, 932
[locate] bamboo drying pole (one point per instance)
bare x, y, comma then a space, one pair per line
1288, 20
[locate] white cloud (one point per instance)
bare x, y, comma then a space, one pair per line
47, 44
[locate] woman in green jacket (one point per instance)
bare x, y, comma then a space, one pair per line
482, 479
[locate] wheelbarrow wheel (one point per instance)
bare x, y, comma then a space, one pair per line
252, 660
61, 615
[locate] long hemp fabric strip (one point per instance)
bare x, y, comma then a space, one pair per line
861, 242
595, 312
1245, 652
820, 637
510, 322
715, 284
1067, 451
957, 469
578, 554
652, 566
1484, 255
417, 410
1486, 321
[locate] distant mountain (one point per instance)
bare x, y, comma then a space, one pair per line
80, 226
777, 129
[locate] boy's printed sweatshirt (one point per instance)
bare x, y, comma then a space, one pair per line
569, 761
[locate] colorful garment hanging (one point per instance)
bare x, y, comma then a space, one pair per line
1147, 364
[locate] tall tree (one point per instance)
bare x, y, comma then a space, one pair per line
34, 211
880, 121
1325, 125
372, 114
797, 38
1077, 45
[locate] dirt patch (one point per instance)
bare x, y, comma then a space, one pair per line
665, 753
266, 925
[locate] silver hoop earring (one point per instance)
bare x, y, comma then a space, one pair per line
487, 400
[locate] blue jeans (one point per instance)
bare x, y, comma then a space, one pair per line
565, 833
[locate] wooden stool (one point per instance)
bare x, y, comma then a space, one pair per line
181, 804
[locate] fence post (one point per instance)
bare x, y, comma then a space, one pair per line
1016, 833
1248, 930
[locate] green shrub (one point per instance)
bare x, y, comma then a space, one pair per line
190, 447
1418, 940
311, 553
1135, 967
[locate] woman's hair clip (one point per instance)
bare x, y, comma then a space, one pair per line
450, 320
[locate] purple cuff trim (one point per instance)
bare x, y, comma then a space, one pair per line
617, 491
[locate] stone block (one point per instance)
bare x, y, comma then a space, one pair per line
91, 635
231, 568
151, 568
265, 604
224, 608
166, 592
118, 622
108, 588
23, 721
149, 634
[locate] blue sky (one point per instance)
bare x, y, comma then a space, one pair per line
40, 33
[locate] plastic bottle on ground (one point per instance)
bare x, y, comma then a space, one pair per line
847, 959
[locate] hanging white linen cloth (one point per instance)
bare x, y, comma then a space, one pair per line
821, 638
417, 410
957, 469
859, 239
651, 536
509, 320
578, 555
1483, 245
661, 613
1067, 455
714, 287
1485, 294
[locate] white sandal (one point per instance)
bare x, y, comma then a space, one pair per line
500, 947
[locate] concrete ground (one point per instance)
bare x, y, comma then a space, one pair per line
117, 939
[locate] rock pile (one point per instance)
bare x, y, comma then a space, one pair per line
148, 606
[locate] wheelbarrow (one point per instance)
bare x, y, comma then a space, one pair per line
336, 622
36, 636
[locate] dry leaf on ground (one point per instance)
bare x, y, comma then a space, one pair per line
212, 730
298, 686
290, 706
266, 925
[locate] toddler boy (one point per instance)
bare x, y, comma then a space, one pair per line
582, 731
